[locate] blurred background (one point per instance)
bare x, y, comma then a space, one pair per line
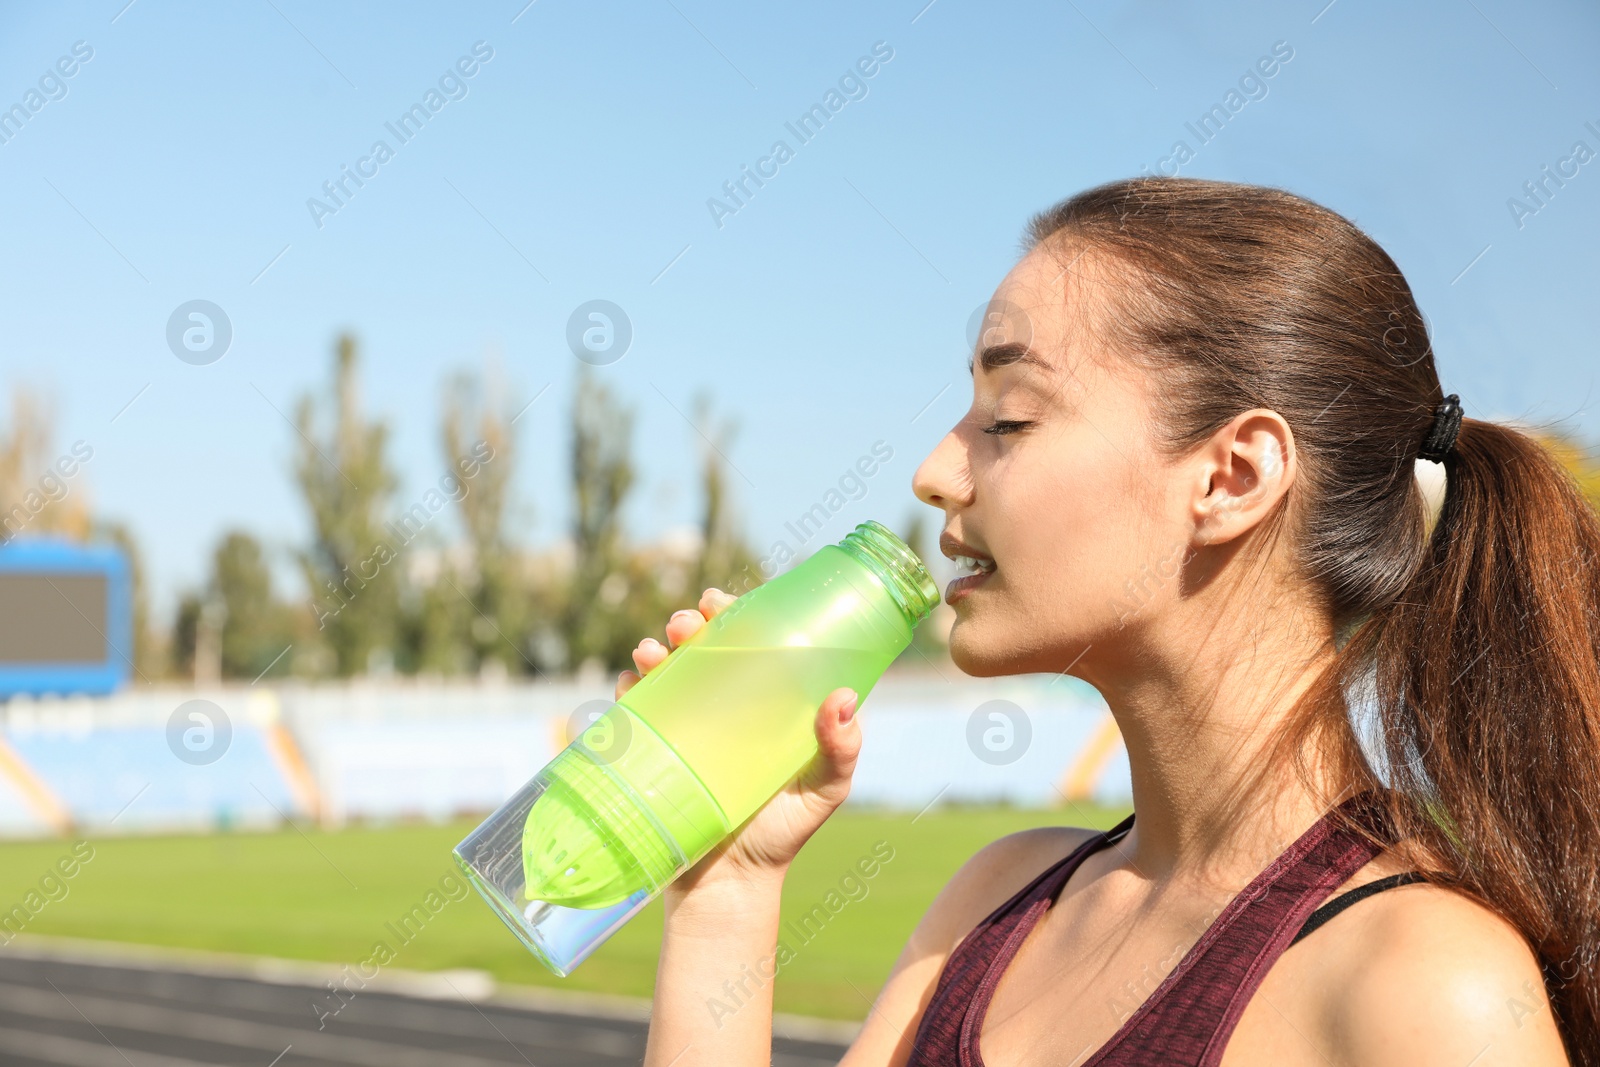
375, 379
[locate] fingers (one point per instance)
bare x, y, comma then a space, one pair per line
680, 627
714, 600
649, 655
686, 623
827, 778
683, 625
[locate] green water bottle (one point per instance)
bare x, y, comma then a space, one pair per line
695, 747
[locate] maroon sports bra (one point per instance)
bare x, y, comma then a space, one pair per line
1189, 1017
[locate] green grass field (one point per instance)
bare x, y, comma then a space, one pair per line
331, 897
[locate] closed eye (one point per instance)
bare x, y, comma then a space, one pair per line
1004, 426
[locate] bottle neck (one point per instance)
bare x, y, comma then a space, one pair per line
894, 564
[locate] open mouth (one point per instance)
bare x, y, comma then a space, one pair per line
975, 570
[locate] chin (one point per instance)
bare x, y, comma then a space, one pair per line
988, 652
980, 658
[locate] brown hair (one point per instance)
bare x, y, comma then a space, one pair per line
1480, 644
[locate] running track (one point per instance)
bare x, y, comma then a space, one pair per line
76, 1010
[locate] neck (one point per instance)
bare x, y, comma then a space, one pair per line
1203, 709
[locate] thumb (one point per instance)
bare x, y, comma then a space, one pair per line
827, 777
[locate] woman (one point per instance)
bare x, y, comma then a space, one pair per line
1190, 477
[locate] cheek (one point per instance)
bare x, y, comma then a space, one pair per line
1134, 556
1077, 529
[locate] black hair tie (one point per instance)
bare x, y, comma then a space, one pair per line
1442, 435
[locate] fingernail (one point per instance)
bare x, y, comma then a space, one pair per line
849, 711
684, 611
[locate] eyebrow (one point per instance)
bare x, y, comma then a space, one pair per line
1009, 354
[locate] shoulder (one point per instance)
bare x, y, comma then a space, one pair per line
1431, 976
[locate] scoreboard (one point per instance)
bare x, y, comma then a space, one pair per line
66, 618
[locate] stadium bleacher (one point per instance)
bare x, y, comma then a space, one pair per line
365, 751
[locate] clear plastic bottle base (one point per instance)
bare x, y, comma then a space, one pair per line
560, 937
580, 849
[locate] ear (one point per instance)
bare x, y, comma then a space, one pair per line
1242, 472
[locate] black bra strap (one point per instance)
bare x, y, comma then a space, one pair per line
1354, 896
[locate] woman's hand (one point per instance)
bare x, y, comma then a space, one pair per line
763, 847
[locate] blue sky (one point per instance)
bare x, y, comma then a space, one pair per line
576, 163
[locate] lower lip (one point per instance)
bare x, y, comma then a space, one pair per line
960, 587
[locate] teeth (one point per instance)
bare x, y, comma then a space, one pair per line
975, 566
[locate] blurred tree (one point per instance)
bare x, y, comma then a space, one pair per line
256, 628
548, 575
235, 627
150, 655
186, 633
602, 474
726, 560
480, 445
435, 629
346, 483
35, 498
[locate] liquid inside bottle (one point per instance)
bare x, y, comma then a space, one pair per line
754, 716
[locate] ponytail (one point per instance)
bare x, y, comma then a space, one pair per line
1486, 676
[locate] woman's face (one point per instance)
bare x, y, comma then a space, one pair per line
1052, 475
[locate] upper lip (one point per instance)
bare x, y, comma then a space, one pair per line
953, 546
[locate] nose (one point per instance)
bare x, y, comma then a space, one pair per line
944, 479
